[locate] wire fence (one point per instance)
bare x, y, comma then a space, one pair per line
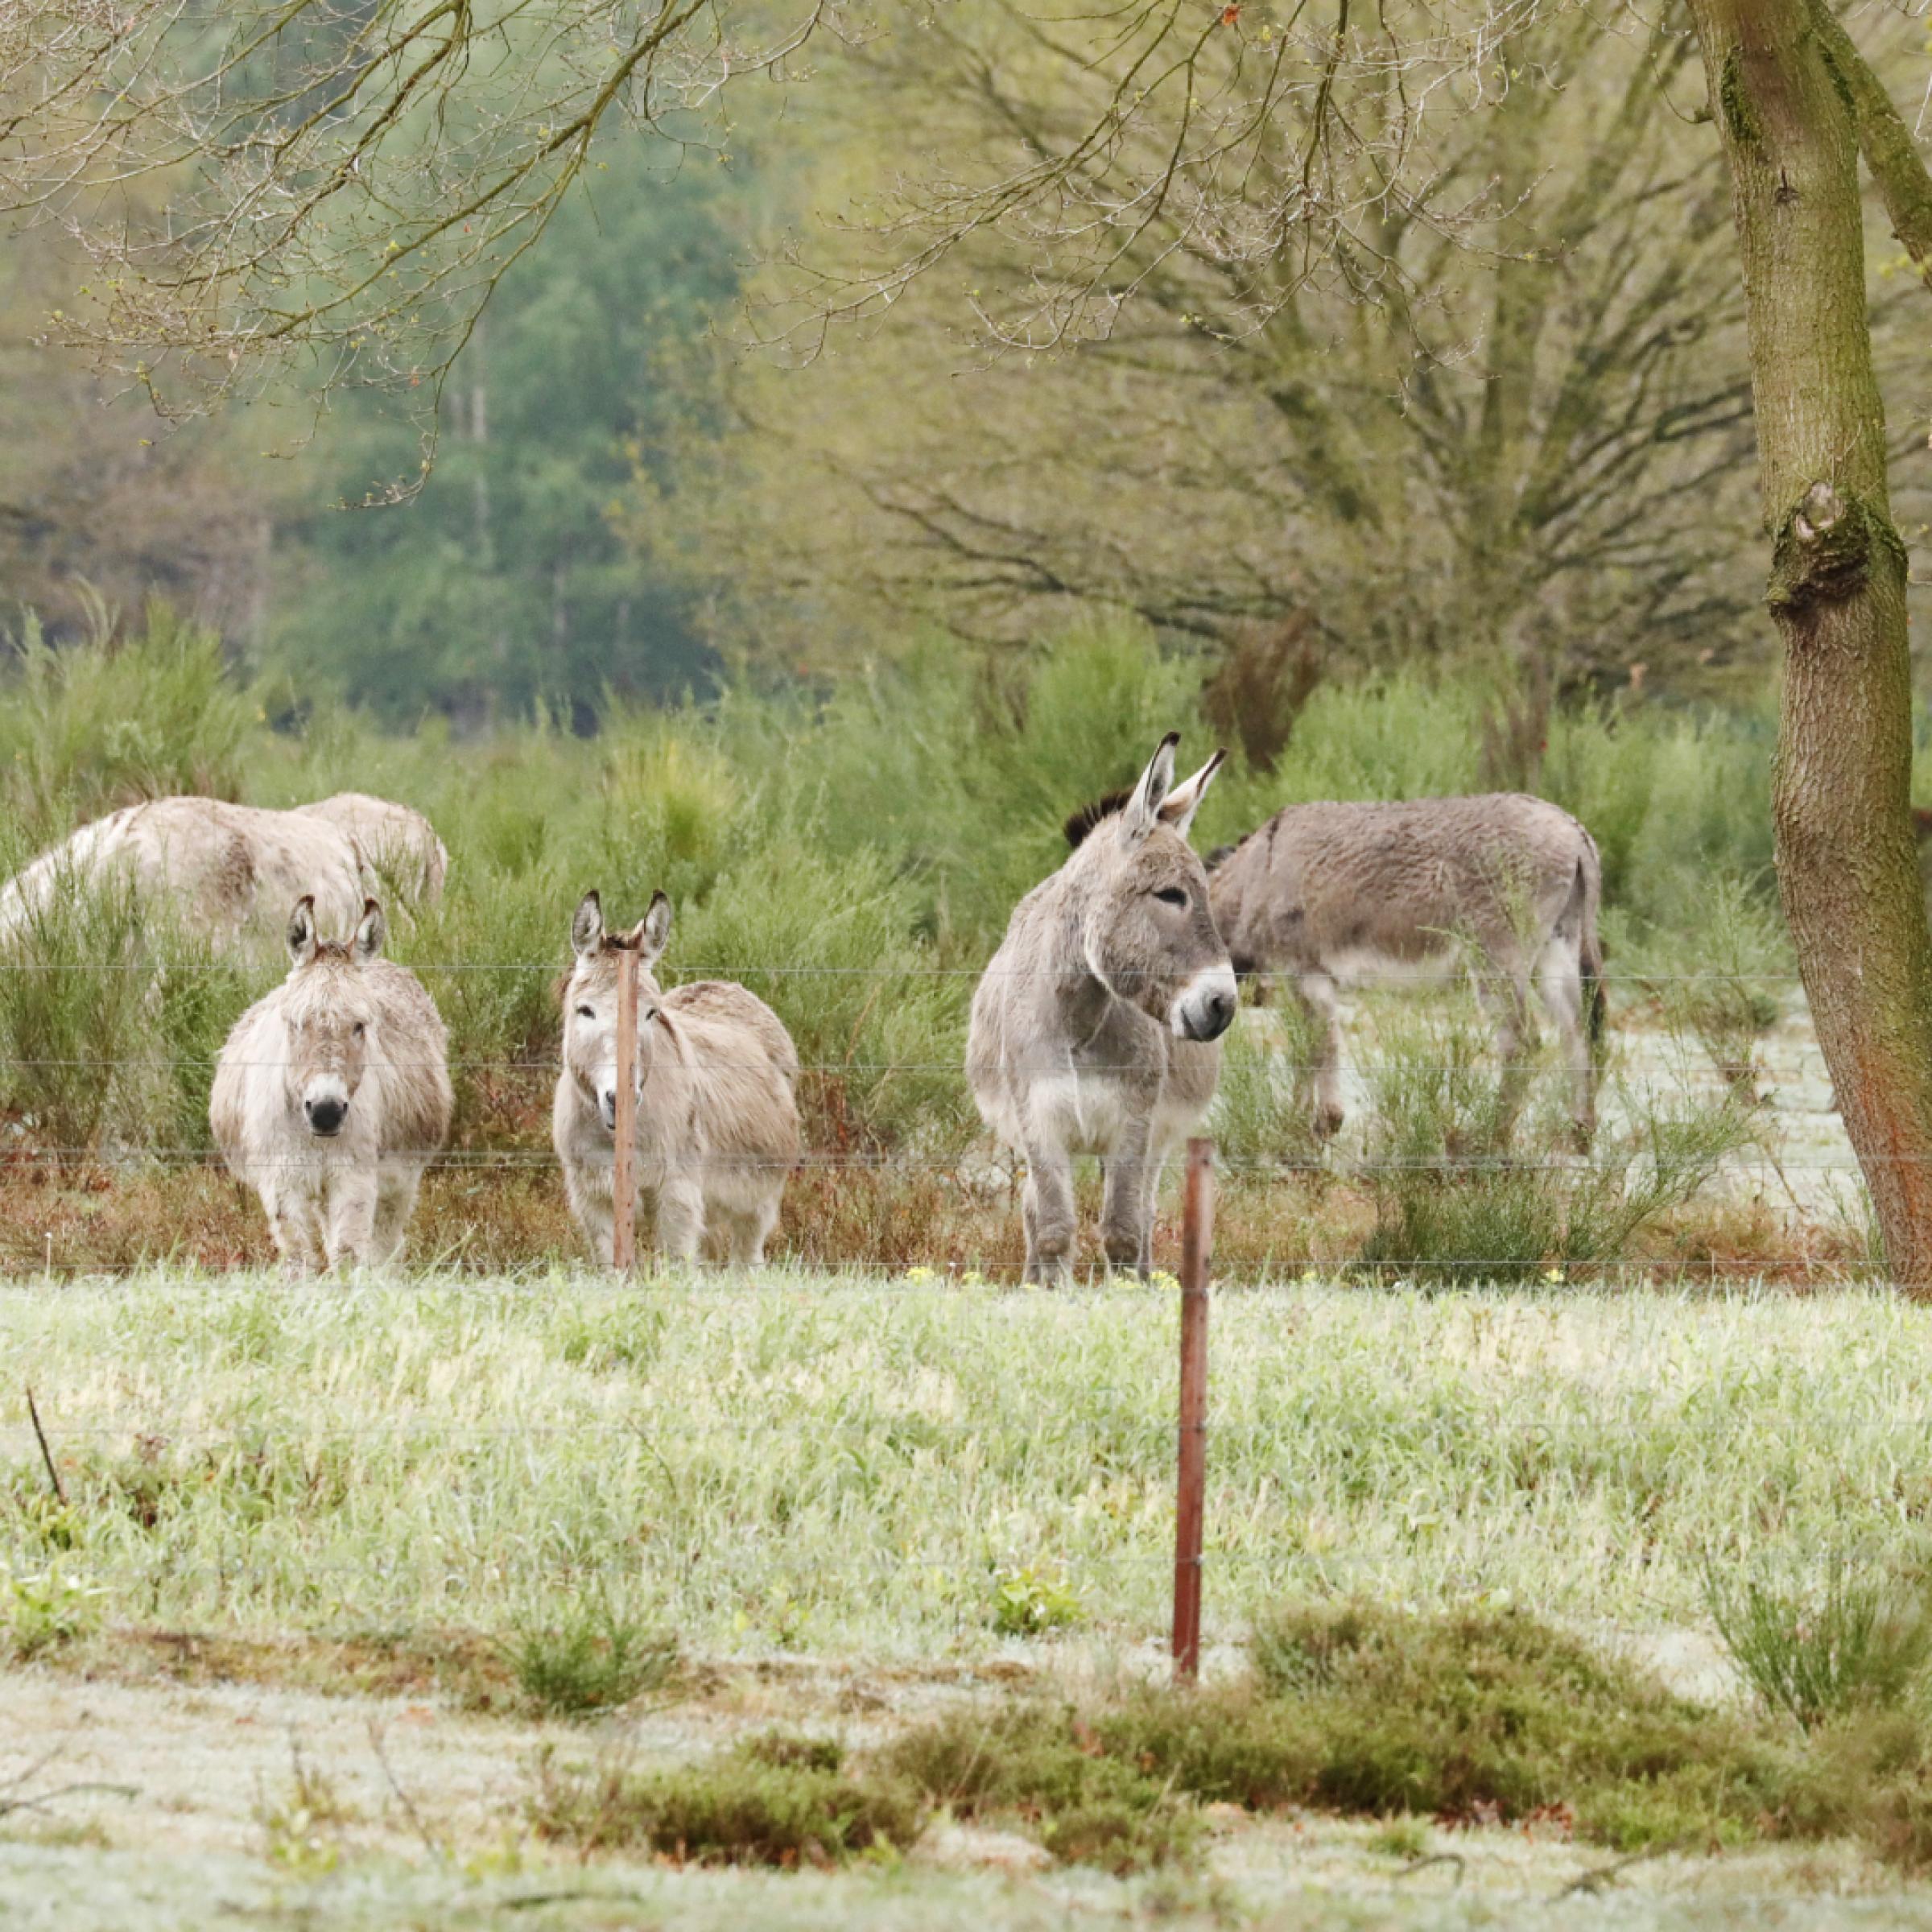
981, 1178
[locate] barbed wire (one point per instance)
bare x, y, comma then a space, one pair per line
959, 1166
681, 975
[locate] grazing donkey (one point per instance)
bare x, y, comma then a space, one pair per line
230, 868
397, 843
1334, 894
332, 1094
1092, 1027
717, 1122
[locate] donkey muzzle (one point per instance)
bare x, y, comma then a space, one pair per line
326, 1115
1206, 1006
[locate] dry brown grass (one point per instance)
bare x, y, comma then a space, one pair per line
888, 1219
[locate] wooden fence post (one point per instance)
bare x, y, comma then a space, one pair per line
1197, 1246
624, 1153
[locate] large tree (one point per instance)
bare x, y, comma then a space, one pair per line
1792, 97
1500, 415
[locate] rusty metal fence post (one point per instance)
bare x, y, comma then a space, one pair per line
623, 1152
1197, 1247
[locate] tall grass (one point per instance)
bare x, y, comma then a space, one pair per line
118, 719
1457, 1199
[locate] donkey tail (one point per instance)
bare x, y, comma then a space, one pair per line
1587, 894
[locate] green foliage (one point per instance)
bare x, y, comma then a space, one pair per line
502, 588
117, 719
1047, 1766
1851, 1638
111, 1015
1028, 1600
592, 1655
1456, 1201
764, 1803
41, 1608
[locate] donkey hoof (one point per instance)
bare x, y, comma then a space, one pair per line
1327, 1122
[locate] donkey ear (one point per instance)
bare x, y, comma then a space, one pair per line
1144, 806
652, 931
587, 925
1184, 801
370, 933
302, 931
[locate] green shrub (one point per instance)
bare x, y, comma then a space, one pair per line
1848, 1639
747, 1807
1455, 1202
112, 1013
1045, 1767
594, 1655
1029, 1600
121, 717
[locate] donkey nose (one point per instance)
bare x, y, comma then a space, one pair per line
325, 1116
1217, 1014
607, 1103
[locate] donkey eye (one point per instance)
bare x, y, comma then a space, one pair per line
1171, 895
361, 1030
587, 1013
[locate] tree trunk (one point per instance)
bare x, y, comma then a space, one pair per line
1841, 797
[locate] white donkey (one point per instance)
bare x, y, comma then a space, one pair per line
1092, 1028
232, 869
717, 1129
332, 1094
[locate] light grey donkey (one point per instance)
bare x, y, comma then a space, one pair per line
1093, 1027
717, 1121
332, 1094
1330, 895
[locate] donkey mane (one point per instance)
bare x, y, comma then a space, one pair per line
1080, 825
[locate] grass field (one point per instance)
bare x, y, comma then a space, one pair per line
293, 1515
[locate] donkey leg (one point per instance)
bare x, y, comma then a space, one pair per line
1125, 1233
349, 1229
290, 1221
395, 1201
1050, 1219
1508, 989
1315, 992
751, 1231
680, 1219
1559, 985
586, 1187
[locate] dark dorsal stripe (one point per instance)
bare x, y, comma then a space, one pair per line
1080, 827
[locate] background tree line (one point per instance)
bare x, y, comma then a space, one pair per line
1520, 441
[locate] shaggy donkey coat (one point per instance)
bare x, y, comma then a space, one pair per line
717, 1122
1331, 894
397, 843
332, 1094
231, 869
235, 870
1092, 1029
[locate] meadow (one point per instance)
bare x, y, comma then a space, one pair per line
553, 1601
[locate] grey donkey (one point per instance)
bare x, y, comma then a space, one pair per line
1330, 895
1093, 1028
